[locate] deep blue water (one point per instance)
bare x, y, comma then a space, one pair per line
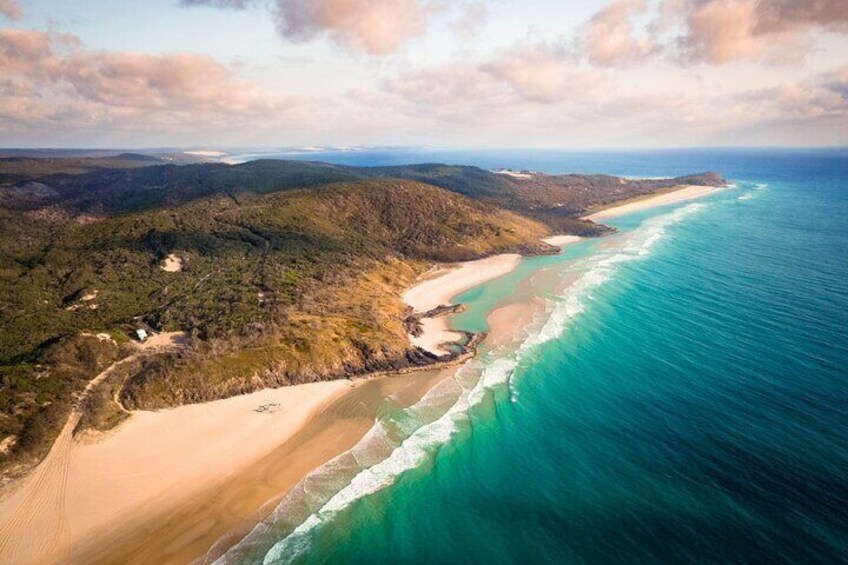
691, 404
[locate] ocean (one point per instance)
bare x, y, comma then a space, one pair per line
680, 396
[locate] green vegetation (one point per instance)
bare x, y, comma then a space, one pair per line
293, 286
291, 272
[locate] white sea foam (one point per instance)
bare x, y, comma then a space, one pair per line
600, 268
379, 458
758, 188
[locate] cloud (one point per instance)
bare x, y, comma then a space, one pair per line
783, 15
11, 9
513, 85
608, 38
33, 53
720, 31
50, 78
454, 85
822, 97
231, 4
377, 27
170, 81
472, 18
715, 32
543, 73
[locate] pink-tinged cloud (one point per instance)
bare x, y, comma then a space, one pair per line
823, 97
609, 38
720, 31
783, 15
49, 78
11, 9
543, 73
231, 4
32, 53
455, 93
471, 20
171, 81
377, 27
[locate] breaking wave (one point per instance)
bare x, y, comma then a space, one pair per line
753, 193
406, 439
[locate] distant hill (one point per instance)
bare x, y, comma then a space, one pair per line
132, 188
22, 169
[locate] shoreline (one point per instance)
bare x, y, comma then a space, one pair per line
205, 525
151, 465
196, 478
439, 286
674, 195
200, 462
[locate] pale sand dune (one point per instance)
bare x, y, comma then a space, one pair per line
151, 465
560, 240
434, 334
682, 195
444, 284
172, 264
454, 279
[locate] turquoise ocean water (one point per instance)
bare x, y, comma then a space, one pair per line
681, 395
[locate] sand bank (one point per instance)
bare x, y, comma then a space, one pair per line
444, 283
448, 281
560, 240
505, 322
435, 335
672, 197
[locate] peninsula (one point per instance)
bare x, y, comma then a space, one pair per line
130, 285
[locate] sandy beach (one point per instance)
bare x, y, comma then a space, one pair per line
199, 476
446, 282
560, 240
672, 197
147, 468
439, 286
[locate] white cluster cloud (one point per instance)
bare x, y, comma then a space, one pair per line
50, 78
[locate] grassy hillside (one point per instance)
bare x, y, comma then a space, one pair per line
293, 286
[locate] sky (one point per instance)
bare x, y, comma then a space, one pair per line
446, 73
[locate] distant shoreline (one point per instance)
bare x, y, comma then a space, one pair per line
667, 197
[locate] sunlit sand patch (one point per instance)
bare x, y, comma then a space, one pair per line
172, 264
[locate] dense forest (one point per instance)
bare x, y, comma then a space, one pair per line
289, 272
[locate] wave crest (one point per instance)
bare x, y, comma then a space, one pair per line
393, 446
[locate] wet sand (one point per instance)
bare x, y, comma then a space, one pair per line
165, 487
206, 524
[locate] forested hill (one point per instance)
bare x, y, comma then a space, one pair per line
129, 186
288, 272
